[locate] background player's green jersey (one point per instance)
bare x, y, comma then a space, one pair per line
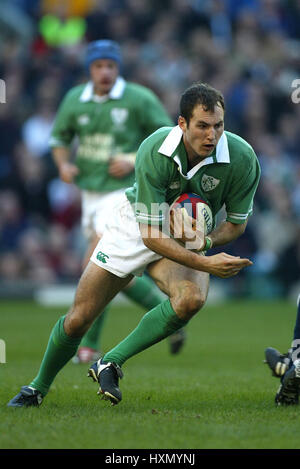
229, 176
105, 127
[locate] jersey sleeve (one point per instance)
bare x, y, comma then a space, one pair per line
63, 130
153, 114
152, 174
239, 201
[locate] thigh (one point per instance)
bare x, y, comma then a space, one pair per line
96, 288
172, 278
94, 240
121, 249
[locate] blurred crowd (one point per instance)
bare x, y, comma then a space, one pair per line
249, 49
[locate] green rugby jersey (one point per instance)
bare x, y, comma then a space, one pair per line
106, 126
229, 176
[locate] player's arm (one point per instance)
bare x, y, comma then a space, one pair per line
226, 232
67, 170
239, 201
61, 138
122, 164
153, 113
222, 265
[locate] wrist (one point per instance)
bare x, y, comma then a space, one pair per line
208, 244
204, 263
128, 157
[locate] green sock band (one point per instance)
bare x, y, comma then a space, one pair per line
155, 325
60, 349
92, 337
144, 291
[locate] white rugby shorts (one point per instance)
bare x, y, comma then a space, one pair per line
121, 250
96, 209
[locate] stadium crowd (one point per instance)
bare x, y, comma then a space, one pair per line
249, 49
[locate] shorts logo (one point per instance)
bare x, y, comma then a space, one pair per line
209, 183
102, 257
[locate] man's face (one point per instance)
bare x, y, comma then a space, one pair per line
104, 73
203, 132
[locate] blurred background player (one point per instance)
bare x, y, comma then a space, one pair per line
110, 117
287, 367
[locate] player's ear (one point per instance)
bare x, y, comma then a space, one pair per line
182, 123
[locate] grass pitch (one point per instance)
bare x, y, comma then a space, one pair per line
215, 394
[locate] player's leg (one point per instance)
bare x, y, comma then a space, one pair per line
187, 290
144, 292
141, 290
96, 209
88, 350
287, 367
96, 288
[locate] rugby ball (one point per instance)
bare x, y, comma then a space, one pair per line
190, 218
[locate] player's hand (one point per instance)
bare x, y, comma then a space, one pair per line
186, 230
67, 172
224, 265
119, 168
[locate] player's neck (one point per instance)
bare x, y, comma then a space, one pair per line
100, 93
195, 161
192, 157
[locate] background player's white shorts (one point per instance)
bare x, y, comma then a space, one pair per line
96, 210
121, 249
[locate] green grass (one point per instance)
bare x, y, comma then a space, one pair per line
216, 394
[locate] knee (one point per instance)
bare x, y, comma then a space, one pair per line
77, 322
188, 300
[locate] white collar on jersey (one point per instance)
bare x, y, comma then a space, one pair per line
172, 141
115, 93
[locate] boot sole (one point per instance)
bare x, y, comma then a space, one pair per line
107, 396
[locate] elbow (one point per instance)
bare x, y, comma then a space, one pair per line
145, 234
146, 241
242, 228
149, 235
237, 229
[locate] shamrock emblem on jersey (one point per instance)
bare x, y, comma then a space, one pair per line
84, 119
119, 116
209, 183
174, 185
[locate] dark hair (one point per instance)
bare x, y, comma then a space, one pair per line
200, 93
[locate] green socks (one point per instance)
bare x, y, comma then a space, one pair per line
143, 291
60, 349
155, 325
91, 337
158, 323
